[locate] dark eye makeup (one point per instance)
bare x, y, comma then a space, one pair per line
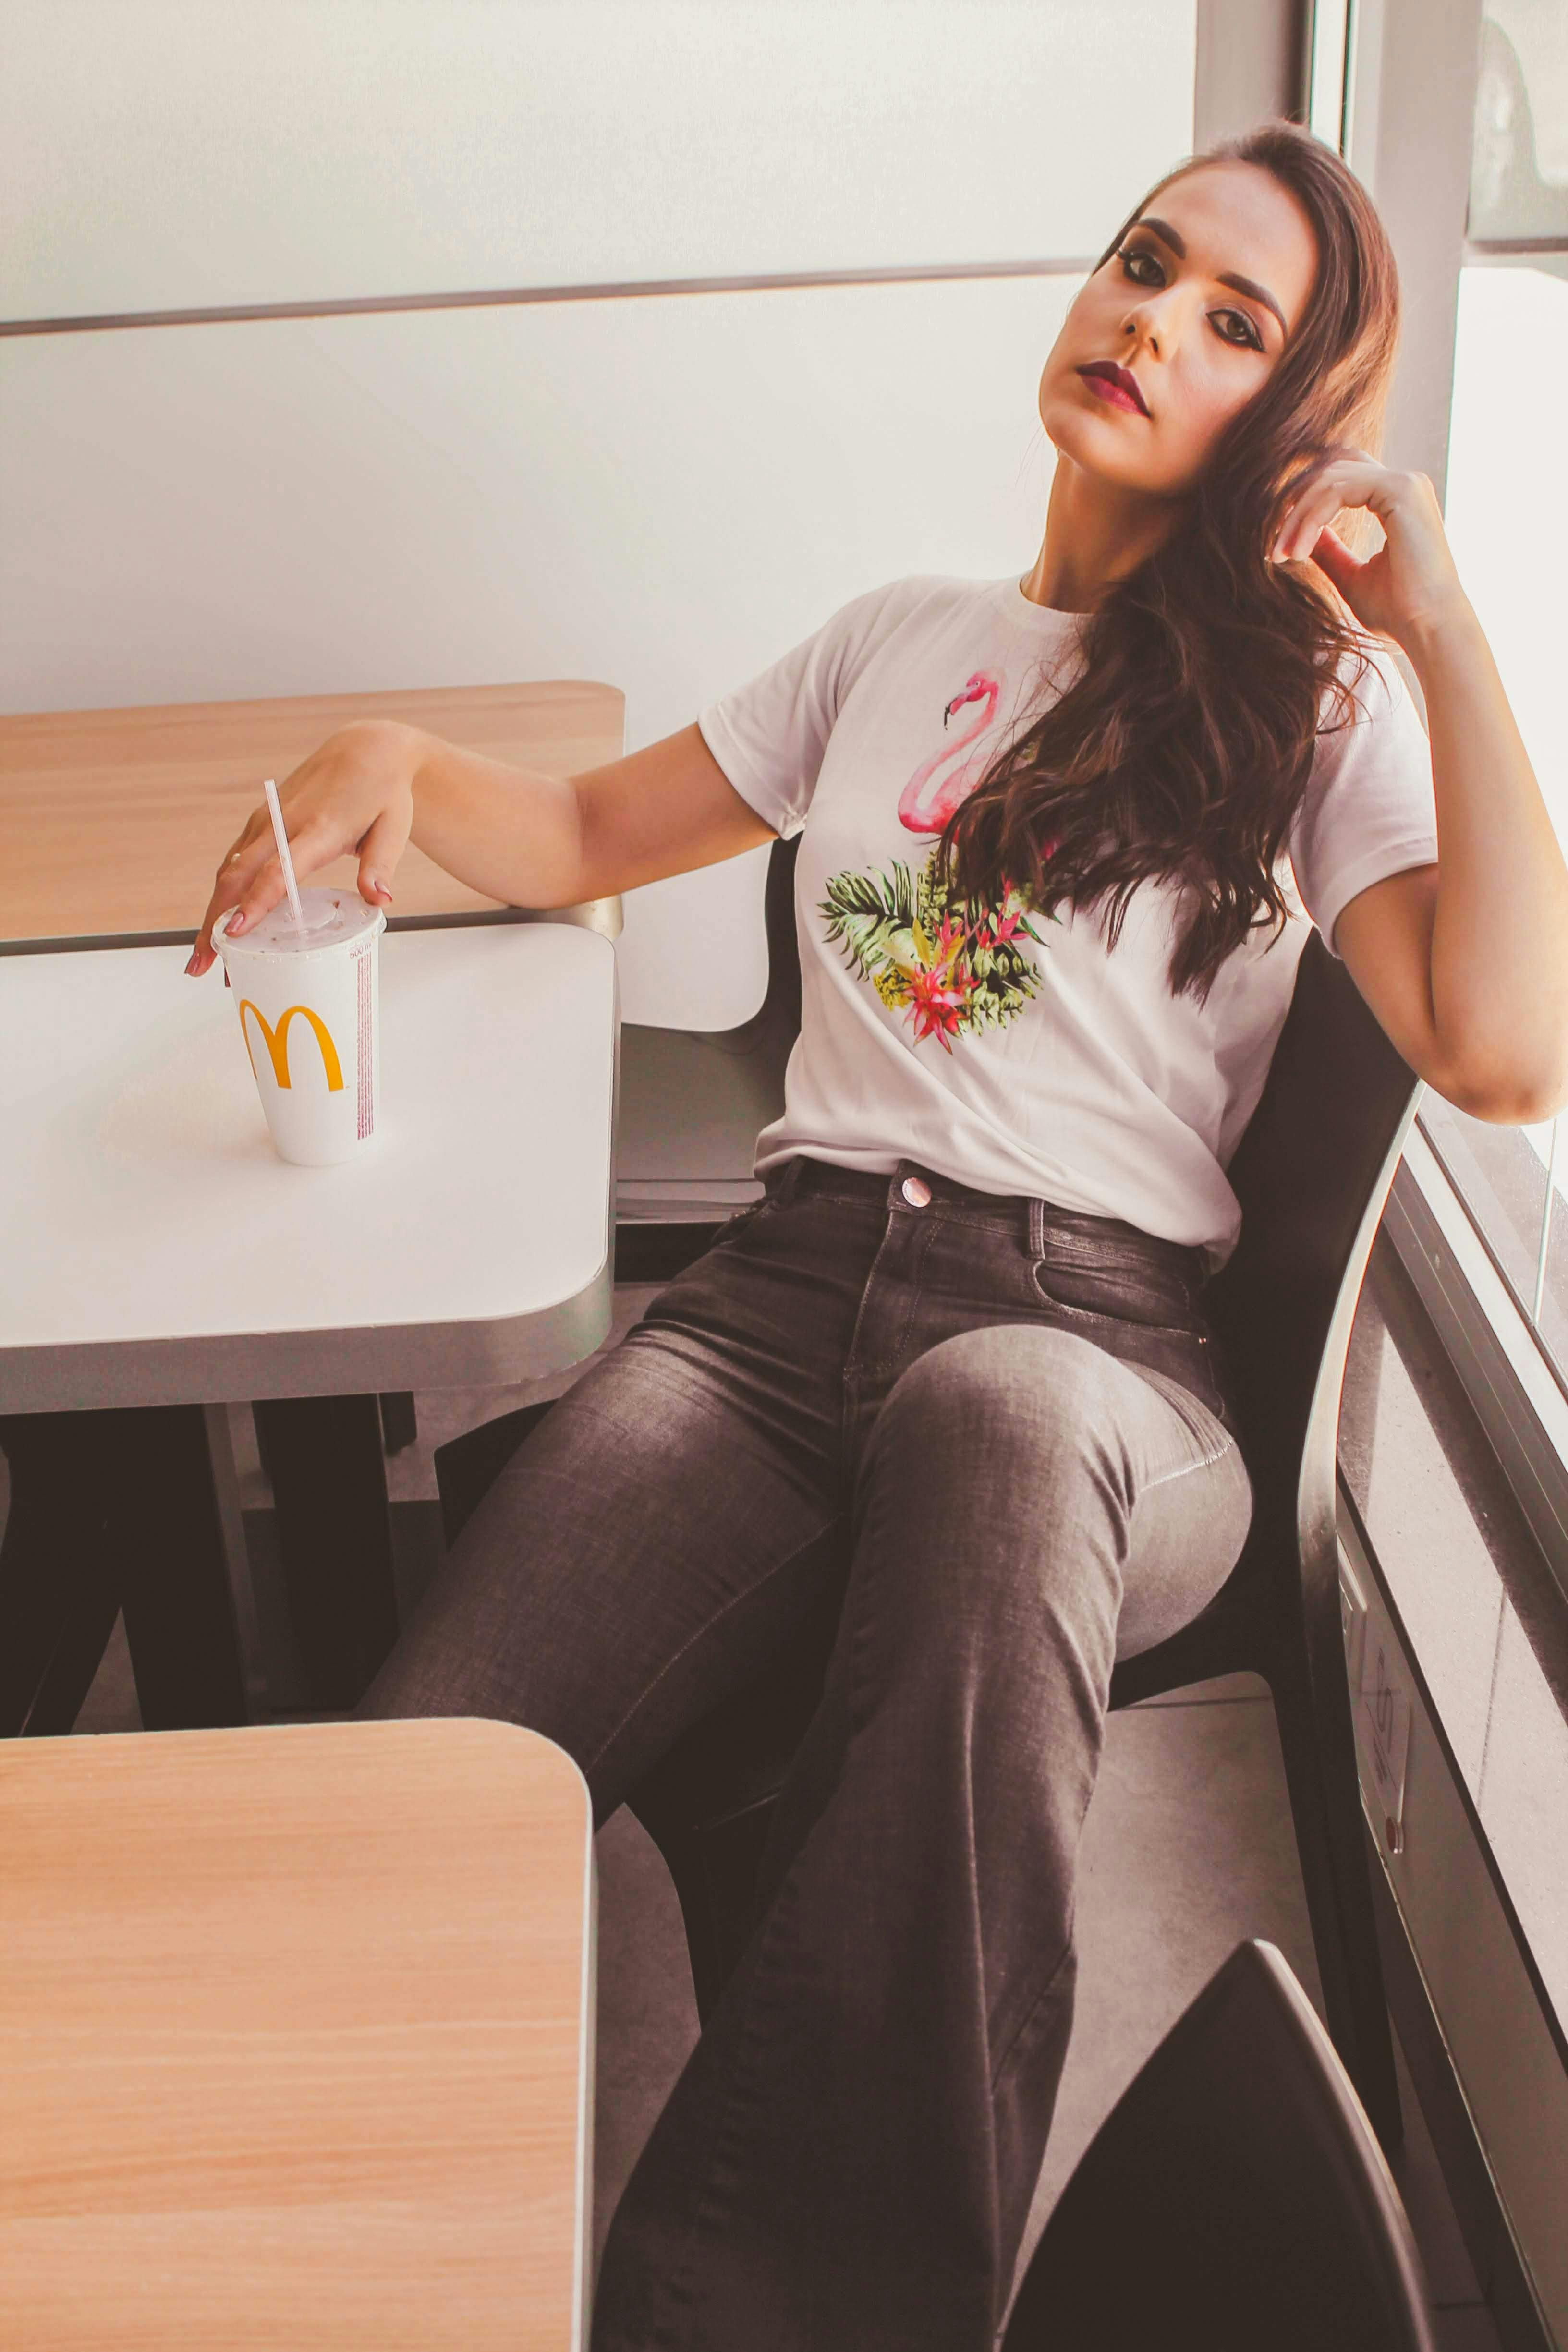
1128, 252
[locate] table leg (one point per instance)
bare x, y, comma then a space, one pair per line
323, 1456
175, 1570
109, 1510
399, 1421
59, 1589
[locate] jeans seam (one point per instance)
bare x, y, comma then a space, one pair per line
706, 1627
853, 1363
1012, 2042
1185, 1468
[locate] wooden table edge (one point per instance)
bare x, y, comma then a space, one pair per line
47, 1757
240, 706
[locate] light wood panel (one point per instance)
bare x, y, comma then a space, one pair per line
113, 821
294, 2031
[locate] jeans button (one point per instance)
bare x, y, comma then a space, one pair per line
915, 1192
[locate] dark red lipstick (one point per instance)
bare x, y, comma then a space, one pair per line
1121, 386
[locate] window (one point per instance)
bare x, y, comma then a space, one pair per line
1453, 1439
1507, 513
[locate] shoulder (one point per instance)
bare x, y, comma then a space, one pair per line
892, 620
917, 612
917, 593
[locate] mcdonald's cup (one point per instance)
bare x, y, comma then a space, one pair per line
308, 1014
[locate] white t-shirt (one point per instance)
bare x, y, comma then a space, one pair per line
1040, 1063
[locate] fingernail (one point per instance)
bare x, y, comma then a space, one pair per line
234, 923
192, 965
379, 886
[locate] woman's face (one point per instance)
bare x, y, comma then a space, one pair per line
1199, 348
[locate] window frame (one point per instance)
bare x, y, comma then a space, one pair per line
1395, 82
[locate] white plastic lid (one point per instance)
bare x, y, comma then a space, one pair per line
333, 919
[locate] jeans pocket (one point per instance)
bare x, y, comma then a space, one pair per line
1138, 1311
742, 1218
1108, 1277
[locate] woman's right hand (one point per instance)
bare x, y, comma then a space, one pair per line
354, 793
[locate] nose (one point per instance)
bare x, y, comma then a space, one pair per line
1143, 329
1156, 320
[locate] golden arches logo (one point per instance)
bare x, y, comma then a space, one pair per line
278, 1043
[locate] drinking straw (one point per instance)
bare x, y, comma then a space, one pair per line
287, 863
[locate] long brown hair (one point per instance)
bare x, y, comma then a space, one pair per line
1184, 745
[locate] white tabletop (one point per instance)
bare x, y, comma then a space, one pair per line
154, 1249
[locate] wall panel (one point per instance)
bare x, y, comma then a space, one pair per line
158, 154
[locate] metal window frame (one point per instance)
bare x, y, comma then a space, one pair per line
1253, 60
592, 291
1412, 70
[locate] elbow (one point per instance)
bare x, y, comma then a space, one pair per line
1506, 1097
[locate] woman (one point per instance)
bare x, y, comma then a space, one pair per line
954, 1366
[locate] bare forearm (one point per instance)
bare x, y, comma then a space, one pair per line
1499, 938
511, 833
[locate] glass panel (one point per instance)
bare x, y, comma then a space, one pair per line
1500, 1173
1519, 168
1507, 515
1325, 110
1481, 1614
166, 156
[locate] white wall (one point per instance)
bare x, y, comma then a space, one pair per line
665, 492
165, 153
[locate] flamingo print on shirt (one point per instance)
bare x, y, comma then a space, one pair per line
952, 966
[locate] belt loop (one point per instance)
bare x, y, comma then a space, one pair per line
789, 1182
1036, 1227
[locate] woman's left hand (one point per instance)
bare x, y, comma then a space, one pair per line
1411, 583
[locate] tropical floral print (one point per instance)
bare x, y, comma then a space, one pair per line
954, 967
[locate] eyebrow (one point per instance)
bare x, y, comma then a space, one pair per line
1248, 286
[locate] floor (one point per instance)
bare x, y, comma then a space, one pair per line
1188, 1848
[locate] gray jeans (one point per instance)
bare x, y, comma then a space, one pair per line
1014, 1415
